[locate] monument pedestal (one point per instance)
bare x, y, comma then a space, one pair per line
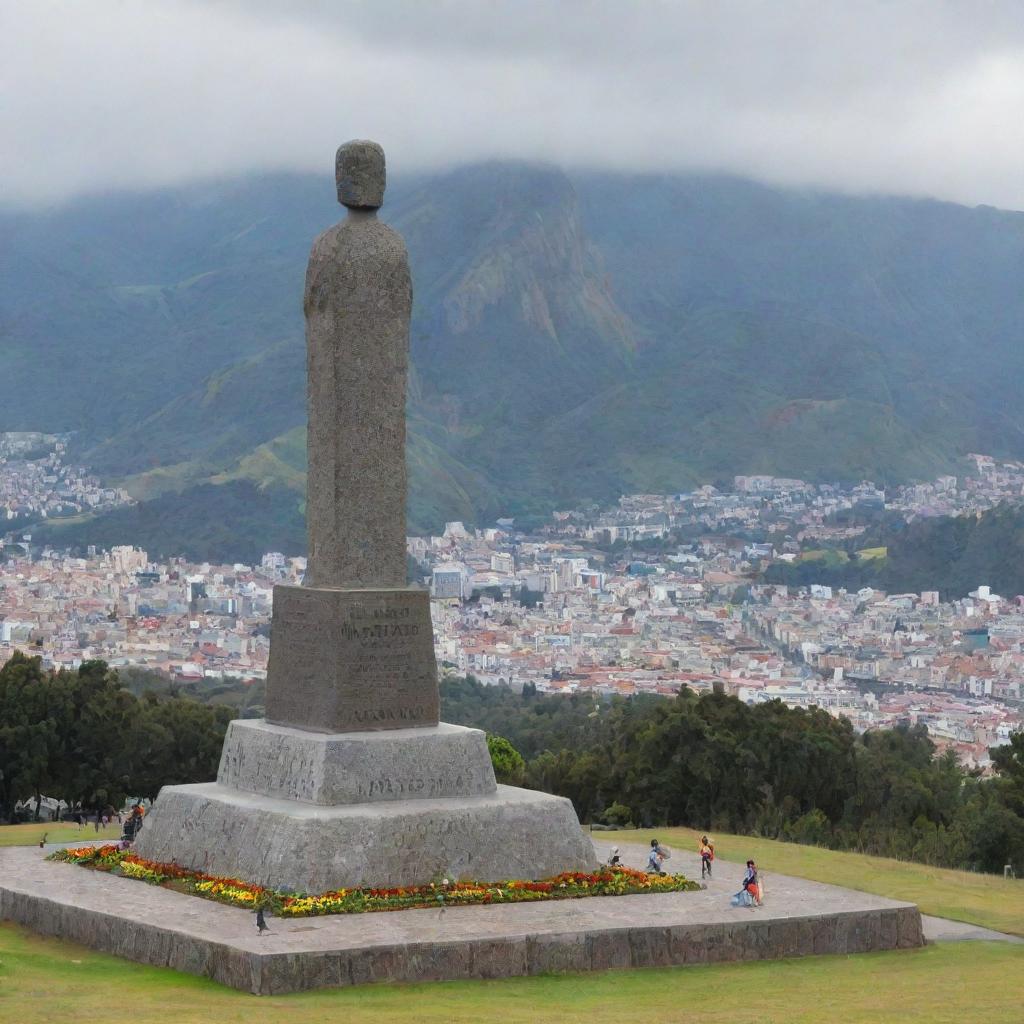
304, 847
344, 660
355, 767
312, 812
331, 793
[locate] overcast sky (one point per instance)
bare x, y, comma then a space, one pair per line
924, 98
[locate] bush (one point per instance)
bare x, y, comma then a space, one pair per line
812, 828
509, 765
617, 814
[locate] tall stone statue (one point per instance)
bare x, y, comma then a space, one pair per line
351, 779
358, 302
353, 648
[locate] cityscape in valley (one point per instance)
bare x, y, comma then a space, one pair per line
37, 482
649, 595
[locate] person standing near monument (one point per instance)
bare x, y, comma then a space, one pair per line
657, 857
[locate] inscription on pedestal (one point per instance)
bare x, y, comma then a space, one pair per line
351, 660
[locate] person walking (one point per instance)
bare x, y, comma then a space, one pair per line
707, 854
261, 921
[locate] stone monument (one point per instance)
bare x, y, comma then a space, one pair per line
351, 779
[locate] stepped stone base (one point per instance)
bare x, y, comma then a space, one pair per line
512, 833
355, 767
156, 926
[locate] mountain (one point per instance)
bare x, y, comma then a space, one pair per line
573, 336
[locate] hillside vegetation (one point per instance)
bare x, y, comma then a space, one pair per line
573, 336
949, 554
713, 762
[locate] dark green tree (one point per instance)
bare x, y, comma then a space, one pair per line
508, 763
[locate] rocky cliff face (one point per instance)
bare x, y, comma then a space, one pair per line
509, 288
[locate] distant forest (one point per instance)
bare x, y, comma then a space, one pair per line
713, 762
94, 738
226, 523
952, 555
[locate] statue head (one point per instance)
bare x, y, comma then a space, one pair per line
359, 174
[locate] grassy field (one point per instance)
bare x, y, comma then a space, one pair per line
43, 980
961, 895
29, 835
866, 554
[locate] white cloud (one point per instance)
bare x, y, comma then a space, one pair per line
911, 97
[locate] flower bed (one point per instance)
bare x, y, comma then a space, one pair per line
606, 881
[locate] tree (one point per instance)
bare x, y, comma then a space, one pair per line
184, 741
83, 738
97, 751
28, 733
509, 765
712, 762
617, 814
1008, 761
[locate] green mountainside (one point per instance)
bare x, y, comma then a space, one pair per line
574, 336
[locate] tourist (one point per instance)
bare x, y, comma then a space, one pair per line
614, 860
132, 825
749, 894
261, 921
707, 855
658, 855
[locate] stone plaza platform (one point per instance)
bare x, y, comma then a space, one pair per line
156, 926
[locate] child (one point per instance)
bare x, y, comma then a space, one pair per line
707, 855
658, 855
748, 896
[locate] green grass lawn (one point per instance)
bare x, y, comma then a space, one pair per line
867, 554
44, 980
29, 835
984, 900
